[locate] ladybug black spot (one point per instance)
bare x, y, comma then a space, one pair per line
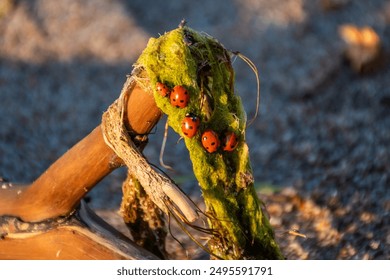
212, 143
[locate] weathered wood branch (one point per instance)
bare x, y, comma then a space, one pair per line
82, 235
61, 187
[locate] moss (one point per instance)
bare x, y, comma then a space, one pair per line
203, 66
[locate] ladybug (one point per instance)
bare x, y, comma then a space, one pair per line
190, 125
179, 97
229, 142
210, 140
162, 89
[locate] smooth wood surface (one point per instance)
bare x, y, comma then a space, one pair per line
142, 112
59, 189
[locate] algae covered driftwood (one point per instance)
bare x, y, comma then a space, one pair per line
202, 66
49, 211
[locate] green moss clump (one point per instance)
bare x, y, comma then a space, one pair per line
202, 65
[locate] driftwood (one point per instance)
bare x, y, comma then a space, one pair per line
82, 235
47, 212
44, 220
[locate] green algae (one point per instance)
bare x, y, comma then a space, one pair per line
202, 65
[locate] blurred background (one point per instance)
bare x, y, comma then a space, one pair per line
320, 148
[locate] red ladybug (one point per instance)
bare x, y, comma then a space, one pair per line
190, 125
162, 89
229, 142
210, 140
179, 97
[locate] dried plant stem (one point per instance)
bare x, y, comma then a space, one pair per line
143, 218
158, 187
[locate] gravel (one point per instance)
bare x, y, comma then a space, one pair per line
320, 148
